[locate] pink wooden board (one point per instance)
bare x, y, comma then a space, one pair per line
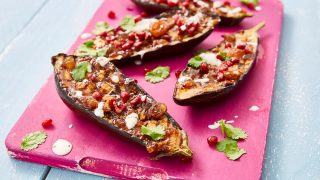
101, 152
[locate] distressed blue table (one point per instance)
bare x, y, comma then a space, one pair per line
31, 31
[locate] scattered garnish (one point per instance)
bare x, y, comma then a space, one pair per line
33, 140
156, 133
47, 123
232, 132
111, 15
128, 23
195, 62
79, 73
230, 148
212, 140
251, 4
85, 35
86, 49
158, 74
254, 108
101, 27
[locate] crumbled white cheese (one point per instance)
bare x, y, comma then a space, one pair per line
236, 116
70, 126
182, 79
99, 43
183, 27
102, 61
85, 80
258, 8
210, 58
115, 78
254, 108
85, 35
131, 120
78, 94
217, 4
99, 110
195, 19
202, 81
230, 121
144, 24
202, 4
143, 98
61, 147
214, 126
234, 11
223, 9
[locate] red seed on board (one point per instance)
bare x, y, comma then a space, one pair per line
47, 123
111, 15
212, 140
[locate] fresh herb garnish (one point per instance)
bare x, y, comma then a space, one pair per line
156, 133
33, 140
195, 62
86, 49
254, 2
158, 74
230, 148
128, 23
232, 132
79, 73
101, 27
224, 56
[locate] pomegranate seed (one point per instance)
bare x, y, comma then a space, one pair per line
137, 18
229, 63
195, 25
143, 14
241, 46
204, 68
223, 68
141, 36
146, 70
179, 22
251, 6
47, 123
148, 36
124, 96
177, 73
228, 45
235, 60
132, 36
119, 28
97, 95
137, 44
226, 3
212, 140
185, 4
172, 3
91, 77
136, 81
220, 57
135, 101
220, 76
112, 103
111, 15
118, 109
126, 46
123, 107
104, 34
247, 50
191, 31
161, 1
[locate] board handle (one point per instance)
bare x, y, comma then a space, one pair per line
257, 27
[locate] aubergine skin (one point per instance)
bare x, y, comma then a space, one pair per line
154, 8
183, 150
206, 97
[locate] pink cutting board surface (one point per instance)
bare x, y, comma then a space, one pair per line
97, 151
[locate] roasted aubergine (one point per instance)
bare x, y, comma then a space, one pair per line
212, 74
96, 89
169, 33
229, 15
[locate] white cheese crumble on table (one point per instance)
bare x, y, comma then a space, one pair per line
61, 147
254, 108
85, 35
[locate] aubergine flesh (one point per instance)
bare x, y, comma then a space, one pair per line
228, 14
212, 74
167, 34
96, 89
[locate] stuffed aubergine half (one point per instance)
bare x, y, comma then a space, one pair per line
213, 74
167, 34
229, 15
96, 89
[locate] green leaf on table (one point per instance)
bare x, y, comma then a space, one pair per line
128, 23
230, 148
158, 74
101, 27
33, 140
79, 73
195, 62
254, 2
156, 133
232, 132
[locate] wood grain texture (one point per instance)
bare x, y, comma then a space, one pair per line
25, 65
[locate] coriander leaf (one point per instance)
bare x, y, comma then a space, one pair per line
255, 2
101, 27
156, 133
33, 140
222, 123
232, 132
128, 23
101, 52
221, 145
234, 153
80, 71
158, 74
89, 44
195, 62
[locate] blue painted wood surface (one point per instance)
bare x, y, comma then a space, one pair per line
31, 31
